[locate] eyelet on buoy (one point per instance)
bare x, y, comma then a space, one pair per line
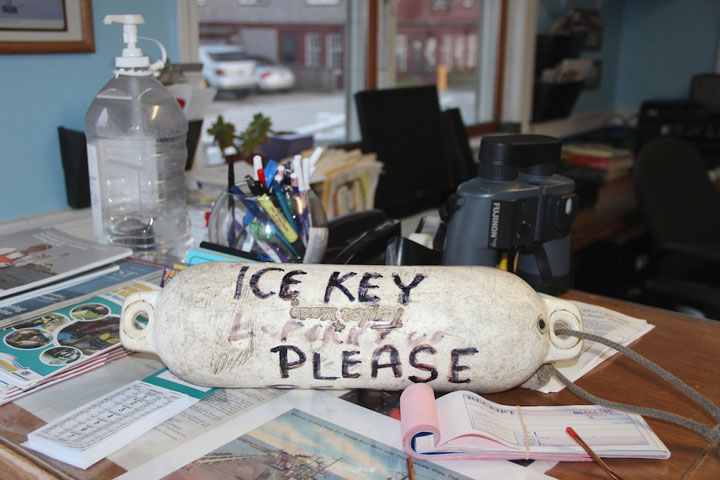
542, 324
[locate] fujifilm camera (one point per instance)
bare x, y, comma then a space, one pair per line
516, 214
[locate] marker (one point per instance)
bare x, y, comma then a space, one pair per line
279, 220
257, 166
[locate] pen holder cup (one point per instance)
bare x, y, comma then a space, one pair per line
281, 227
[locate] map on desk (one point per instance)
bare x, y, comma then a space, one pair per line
41, 256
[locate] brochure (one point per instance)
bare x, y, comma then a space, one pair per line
57, 341
91, 432
23, 306
465, 425
42, 256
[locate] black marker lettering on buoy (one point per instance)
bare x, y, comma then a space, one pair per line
394, 361
335, 282
455, 369
316, 369
286, 366
422, 366
347, 363
255, 279
285, 292
363, 295
405, 289
239, 282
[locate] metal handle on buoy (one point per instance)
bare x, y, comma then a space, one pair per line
135, 333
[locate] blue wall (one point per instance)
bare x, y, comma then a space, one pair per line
664, 43
611, 13
650, 48
38, 93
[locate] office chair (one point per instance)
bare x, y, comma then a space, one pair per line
681, 208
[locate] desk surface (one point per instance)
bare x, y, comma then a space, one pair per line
683, 345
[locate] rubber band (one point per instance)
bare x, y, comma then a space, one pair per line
525, 432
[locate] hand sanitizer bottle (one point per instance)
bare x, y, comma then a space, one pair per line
136, 134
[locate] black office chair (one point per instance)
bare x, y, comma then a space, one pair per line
682, 210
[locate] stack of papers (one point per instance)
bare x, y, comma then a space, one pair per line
63, 343
44, 256
345, 180
95, 430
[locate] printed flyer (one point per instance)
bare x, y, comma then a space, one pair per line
63, 339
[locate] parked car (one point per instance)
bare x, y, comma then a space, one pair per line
227, 67
272, 76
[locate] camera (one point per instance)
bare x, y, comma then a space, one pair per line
516, 214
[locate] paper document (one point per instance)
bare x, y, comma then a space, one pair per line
465, 425
92, 431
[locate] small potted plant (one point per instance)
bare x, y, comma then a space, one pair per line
248, 141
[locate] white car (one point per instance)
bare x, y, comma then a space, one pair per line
272, 76
227, 67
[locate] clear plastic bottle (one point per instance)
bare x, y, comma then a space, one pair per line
136, 140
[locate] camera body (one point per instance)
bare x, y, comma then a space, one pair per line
518, 208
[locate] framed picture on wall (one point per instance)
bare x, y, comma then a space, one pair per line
46, 26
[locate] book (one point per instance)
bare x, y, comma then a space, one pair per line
41, 256
598, 156
464, 425
91, 432
69, 337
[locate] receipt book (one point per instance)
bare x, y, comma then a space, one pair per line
464, 425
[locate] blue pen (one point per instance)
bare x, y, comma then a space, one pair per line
270, 171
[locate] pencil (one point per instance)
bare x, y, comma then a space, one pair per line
411, 468
573, 434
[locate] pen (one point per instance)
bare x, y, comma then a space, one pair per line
573, 434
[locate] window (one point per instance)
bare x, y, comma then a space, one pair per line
313, 50
401, 53
323, 49
447, 57
334, 50
470, 58
288, 53
460, 51
458, 27
430, 55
